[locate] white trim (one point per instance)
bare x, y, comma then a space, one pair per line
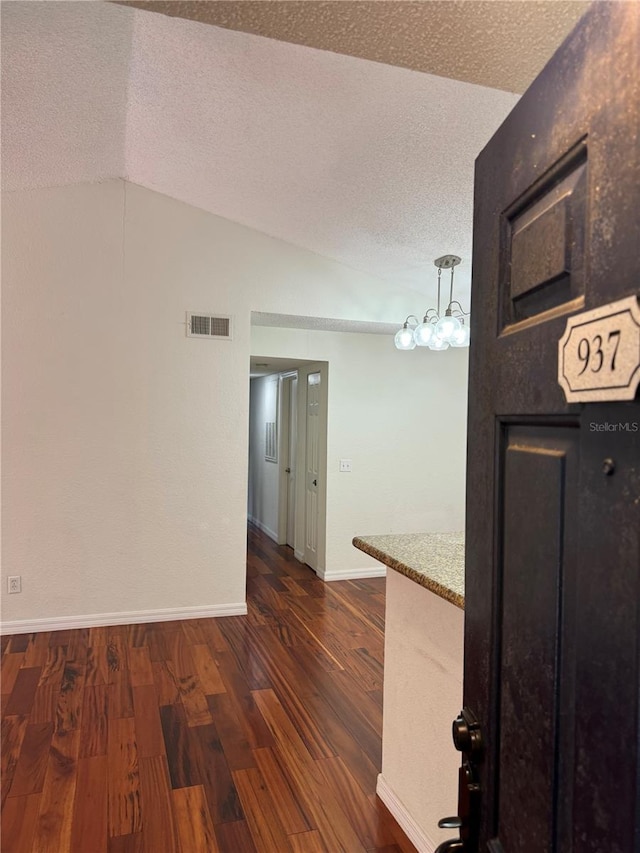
299, 555
414, 833
352, 574
284, 452
270, 533
316, 558
130, 617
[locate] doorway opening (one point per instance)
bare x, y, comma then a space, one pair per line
288, 454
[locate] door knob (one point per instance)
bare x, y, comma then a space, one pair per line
467, 736
315, 482
448, 846
287, 470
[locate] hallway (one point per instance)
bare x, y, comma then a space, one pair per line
239, 734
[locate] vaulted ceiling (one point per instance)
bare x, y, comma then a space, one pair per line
498, 43
356, 159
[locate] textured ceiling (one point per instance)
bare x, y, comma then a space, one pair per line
366, 163
359, 161
478, 42
64, 92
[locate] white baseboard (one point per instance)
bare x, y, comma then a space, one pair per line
270, 533
414, 833
352, 574
131, 617
299, 555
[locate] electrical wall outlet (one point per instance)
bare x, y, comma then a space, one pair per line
14, 584
345, 465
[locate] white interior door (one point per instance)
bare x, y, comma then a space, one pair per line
312, 472
291, 461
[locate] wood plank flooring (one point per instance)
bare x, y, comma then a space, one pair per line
245, 734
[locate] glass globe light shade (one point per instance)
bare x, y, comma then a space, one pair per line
461, 337
447, 326
424, 334
404, 338
438, 344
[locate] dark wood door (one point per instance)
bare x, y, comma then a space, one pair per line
553, 509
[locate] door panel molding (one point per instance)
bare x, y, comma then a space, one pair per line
537, 577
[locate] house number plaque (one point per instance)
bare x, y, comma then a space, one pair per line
599, 353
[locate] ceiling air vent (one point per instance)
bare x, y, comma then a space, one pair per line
209, 326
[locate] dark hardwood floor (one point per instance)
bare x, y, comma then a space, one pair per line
239, 734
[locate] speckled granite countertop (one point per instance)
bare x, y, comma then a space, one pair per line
434, 560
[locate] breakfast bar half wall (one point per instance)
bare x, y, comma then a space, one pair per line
424, 637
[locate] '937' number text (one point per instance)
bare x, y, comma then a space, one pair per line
592, 355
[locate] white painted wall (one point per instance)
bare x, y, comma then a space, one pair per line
423, 659
401, 418
125, 443
264, 491
76, 452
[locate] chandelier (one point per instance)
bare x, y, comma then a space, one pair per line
437, 331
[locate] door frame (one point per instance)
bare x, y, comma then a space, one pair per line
284, 418
303, 373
